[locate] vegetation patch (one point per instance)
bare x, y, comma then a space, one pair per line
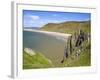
35, 61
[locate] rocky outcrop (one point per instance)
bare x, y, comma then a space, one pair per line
76, 44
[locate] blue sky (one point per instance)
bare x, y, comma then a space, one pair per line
32, 18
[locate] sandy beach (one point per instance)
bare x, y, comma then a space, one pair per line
56, 34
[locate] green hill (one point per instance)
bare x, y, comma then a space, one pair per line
67, 27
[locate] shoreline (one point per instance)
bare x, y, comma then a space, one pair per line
48, 32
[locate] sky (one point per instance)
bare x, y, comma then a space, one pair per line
32, 18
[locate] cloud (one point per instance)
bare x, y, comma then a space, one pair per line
34, 17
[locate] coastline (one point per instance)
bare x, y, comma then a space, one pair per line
49, 33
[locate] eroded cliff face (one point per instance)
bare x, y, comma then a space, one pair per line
77, 43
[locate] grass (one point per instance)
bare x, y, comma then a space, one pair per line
83, 60
35, 61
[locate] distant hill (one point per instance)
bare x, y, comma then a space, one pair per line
68, 27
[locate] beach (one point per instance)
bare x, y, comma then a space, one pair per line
56, 34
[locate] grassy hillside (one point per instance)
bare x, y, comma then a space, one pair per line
35, 61
67, 27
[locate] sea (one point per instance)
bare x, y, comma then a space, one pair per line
50, 46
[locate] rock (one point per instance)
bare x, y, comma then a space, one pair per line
75, 44
29, 51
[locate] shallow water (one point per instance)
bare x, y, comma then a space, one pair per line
51, 46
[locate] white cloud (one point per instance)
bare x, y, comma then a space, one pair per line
34, 17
